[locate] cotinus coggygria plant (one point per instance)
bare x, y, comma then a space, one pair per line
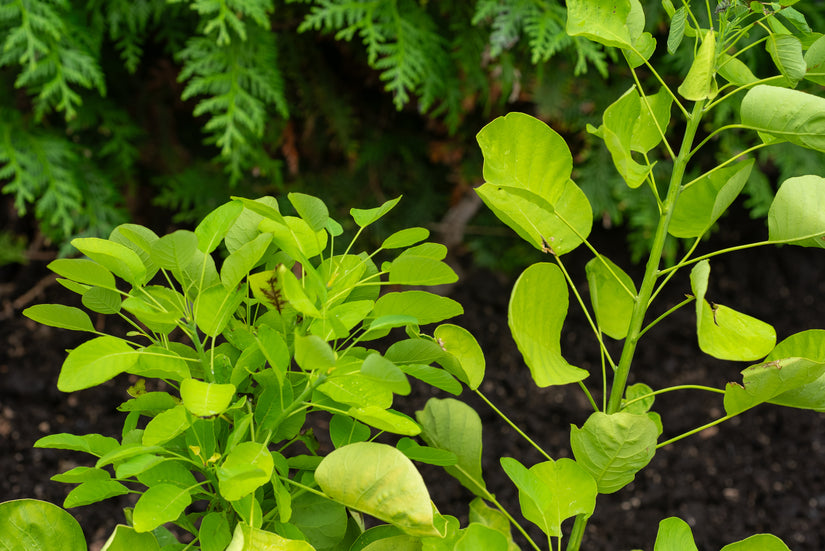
241, 352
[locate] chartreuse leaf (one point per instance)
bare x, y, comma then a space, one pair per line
295, 237
815, 61
313, 353
765, 381
166, 425
612, 294
311, 209
246, 468
612, 23
477, 537
734, 71
384, 419
126, 538
654, 118
725, 333
377, 368
95, 362
619, 122
248, 538
527, 169
94, 491
206, 399
357, 390
454, 426
433, 376
538, 306
705, 200
175, 250
83, 271
158, 505
380, 481
700, 83
426, 454
552, 491
424, 306
481, 513
808, 344
32, 525
239, 263
81, 474
365, 217
405, 238
797, 213
102, 301
139, 239
464, 357
674, 535
212, 229
786, 52
214, 534
214, 307
157, 362
613, 448
678, 24
781, 114
634, 392
759, 542
59, 315
94, 444
344, 430
321, 520
295, 293
422, 266
118, 259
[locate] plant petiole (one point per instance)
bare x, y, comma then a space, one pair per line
696, 430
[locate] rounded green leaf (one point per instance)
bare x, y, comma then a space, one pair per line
613, 295
102, 301
126, 538
766, 381
797, 214
174, 251
381, 370
311, 209
247, 467
158, 505
214, 534
95, 362
674, 535
32, 525
94, 444
240, 262
462, 346
410, 269
426, 454
786, 52
357, 390
118, 259
759, 542
538, 306
454, 426
613, 448
365, 217
214, 307
699, 83
212, 229
785, 115
166, 425
93, 491
344, 430
386, 420
608, 23
727, 334
552, 491
380, 481
477, 537
405, 238
84, 271
206, 399
806, 344
424, 306
59, 315
247, 538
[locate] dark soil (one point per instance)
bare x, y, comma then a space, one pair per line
761, 472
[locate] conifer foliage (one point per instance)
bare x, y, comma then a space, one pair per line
87, 116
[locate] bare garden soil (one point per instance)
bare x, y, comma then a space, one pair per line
763, 471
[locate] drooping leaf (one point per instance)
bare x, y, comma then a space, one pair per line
433, 376
311, 209
483, 514
700, 84
527, 169
94, 491
464, 348
240, 262
705, 200
165, 426
381, 370
84, 271
212, 229
426, 454
678, 22
380, 481
766, 381
781, 114
735, 71
786, 52
174, 251
552, 491
94, 444
32, 525
248, 538
797, 213
613, 448
95, 362
612, 294
674, 535
206, 399
454, 426
654, 118
118, 259
538, 306
808, 344
385, 419
59, 315
158, 505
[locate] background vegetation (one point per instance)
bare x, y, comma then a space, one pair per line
133, 109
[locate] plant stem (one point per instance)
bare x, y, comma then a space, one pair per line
697, 429
652, 267
576, 535
513, 425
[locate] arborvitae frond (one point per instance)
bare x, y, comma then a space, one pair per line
127, 22
54, 53
223, 16
241, 84
544, 24
400, 39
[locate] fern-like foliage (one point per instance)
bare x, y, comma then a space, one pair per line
128, 23
55, 50
240, 84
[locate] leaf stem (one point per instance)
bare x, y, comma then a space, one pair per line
577, 533
666, 314
694, 431
513, 425
672, 388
